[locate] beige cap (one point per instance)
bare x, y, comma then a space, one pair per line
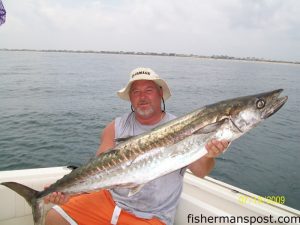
144, 74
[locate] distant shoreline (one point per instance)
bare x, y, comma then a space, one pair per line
224, 57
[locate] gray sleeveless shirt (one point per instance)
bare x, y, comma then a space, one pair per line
158, 198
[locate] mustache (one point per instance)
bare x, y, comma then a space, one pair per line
141, 102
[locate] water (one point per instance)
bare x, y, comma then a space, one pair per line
53, 107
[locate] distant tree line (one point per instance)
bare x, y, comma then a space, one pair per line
225, 57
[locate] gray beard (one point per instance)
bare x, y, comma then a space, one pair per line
144, 113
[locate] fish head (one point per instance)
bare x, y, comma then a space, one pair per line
247, 112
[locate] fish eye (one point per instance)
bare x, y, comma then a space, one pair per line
260, 103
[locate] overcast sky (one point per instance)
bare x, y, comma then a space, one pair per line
267, 29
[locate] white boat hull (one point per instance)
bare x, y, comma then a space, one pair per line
200, 198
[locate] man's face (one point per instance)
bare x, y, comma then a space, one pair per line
145, 97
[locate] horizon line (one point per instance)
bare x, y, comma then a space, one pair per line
224, 57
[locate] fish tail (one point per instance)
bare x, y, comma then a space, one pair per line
30, 195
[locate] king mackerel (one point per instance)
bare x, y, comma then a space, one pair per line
174, 145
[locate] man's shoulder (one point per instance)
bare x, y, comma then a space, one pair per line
123, 117
170, 116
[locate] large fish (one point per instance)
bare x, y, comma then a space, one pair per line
174, 145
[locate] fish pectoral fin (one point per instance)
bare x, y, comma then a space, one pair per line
135, 190
211, 127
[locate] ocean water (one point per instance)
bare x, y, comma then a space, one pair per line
54, 106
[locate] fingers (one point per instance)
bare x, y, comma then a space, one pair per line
215, 147
57, 198
222, 145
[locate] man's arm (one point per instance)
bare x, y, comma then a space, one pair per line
107, 138
204, 165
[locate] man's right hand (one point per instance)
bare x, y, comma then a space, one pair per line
56, 198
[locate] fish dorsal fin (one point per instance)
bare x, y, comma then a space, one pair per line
135, 190
120, 140
211, 127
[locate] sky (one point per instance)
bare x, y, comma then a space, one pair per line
268, 29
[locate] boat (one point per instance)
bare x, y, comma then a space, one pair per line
205, 201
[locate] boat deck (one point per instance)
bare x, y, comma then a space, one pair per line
207, 199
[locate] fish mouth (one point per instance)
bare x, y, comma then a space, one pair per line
275, 104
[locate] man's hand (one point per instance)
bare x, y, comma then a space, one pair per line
215, 148
204, 165
56, 198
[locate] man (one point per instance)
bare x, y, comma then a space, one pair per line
156, 202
